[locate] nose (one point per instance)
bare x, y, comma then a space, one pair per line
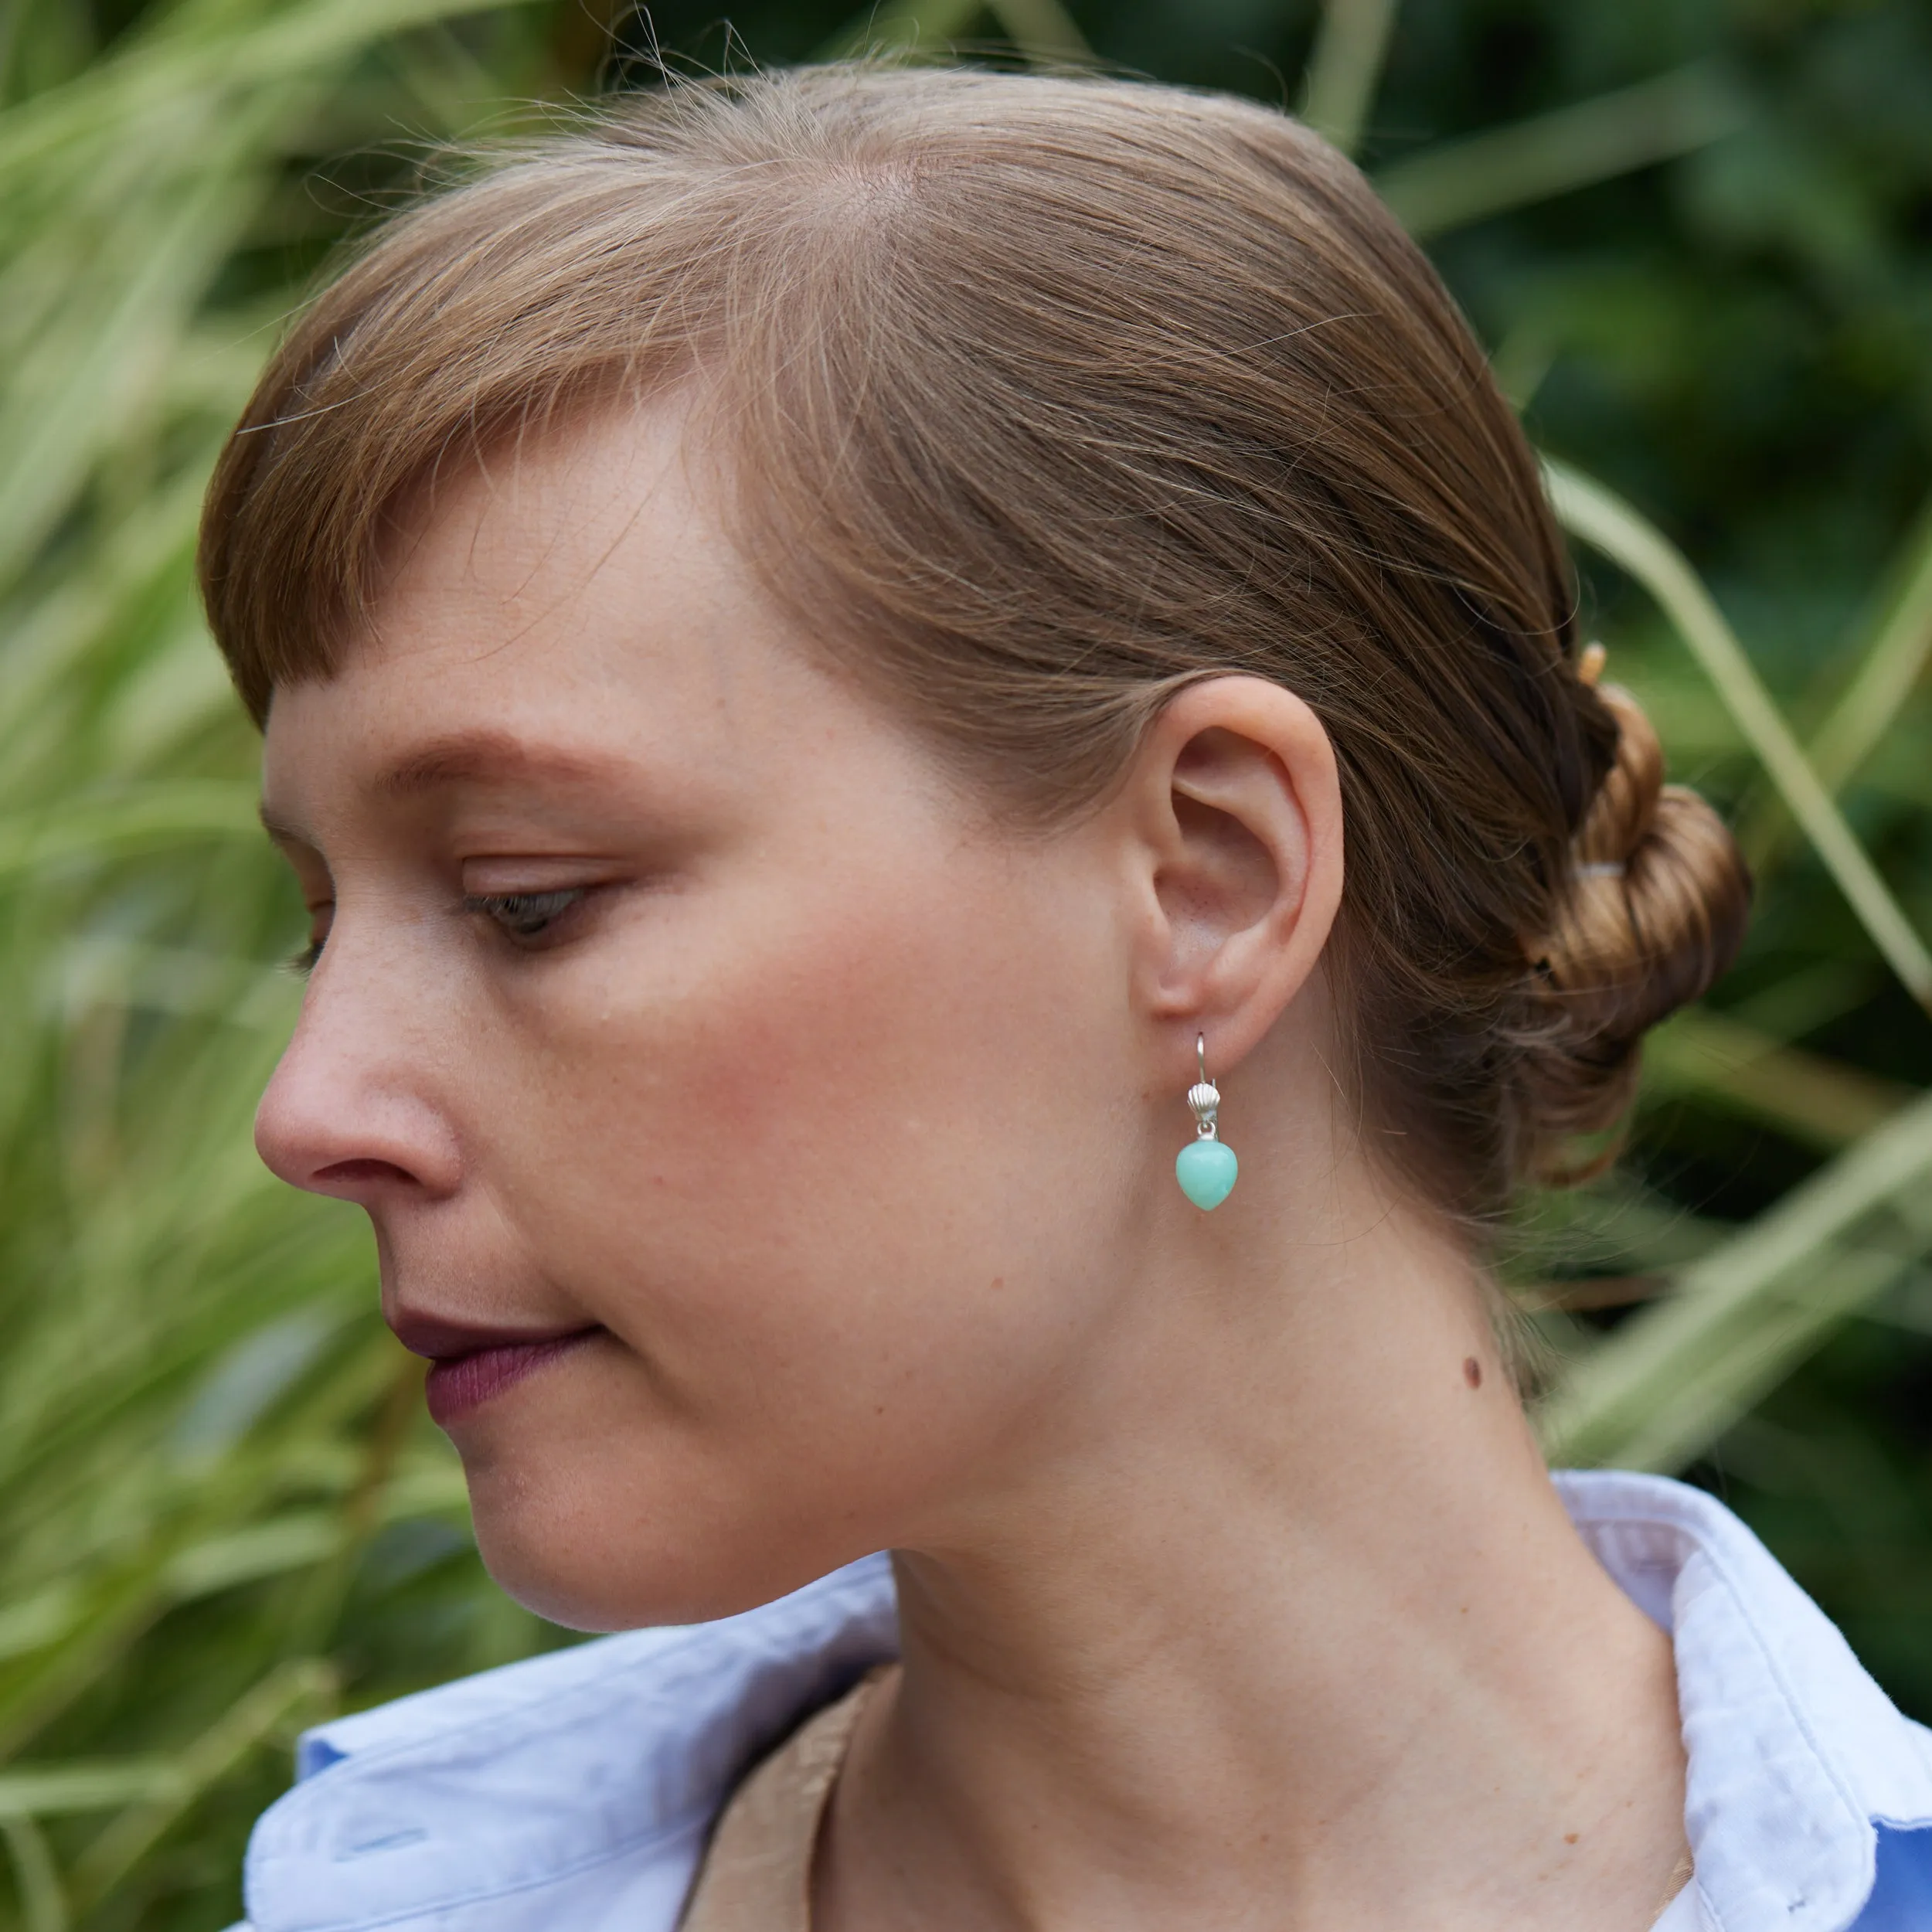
354, 1108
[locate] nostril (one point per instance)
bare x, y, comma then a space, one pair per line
351, 1174
335, 1126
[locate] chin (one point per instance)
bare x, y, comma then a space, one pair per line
598, 1563
577, 1596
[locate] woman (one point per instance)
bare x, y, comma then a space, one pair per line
883, 683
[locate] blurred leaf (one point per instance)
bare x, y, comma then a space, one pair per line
1043, 30
1556, 153
49, 1791
1889, 667
1350, 47
1664, 1385
1817, 1101
158, 815
930, 26
302, 1684
43, 1902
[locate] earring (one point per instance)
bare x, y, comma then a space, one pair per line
1206, 1168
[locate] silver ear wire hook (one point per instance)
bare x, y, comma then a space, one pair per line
1206, 1168
1204, 1097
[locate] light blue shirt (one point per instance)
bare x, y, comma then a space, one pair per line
573, 1792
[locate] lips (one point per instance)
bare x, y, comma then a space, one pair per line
469, 1364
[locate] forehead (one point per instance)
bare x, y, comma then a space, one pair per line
569, 555
578, 588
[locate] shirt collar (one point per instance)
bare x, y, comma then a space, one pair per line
570, 1789
595, 1772
1795, 1754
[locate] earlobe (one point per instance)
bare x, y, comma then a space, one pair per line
1238, 810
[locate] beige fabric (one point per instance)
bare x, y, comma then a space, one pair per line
756, 1873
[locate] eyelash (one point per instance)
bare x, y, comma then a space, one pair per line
523, 918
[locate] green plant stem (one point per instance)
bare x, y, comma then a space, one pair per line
1817, 1102
302, 1682
146, 818
1043, 31
1556, 153
1890, 665
1602, 519
927, 25
318, 1605
59, 1790
1668, 1383
1345, 68
180, 54
43, 1902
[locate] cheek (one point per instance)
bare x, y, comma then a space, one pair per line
830, 1120
844, 1170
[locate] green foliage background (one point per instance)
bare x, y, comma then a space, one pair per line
1697, 235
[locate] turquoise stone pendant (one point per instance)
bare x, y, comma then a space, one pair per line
1206, 1169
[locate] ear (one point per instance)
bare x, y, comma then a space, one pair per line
1233, 803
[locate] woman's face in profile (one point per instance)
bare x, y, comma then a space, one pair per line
674, 1005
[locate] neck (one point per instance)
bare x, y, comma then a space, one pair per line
1312, 1642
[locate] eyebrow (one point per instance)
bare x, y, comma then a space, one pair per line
464, 758
485, 757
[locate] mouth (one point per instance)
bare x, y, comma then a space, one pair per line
468, 1365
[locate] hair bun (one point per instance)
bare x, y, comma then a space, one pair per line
1653, 910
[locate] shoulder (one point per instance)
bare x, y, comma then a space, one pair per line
574, 1788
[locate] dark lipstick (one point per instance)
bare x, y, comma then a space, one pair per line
469, 1364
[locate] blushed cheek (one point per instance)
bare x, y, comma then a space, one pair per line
863, 1078
813, 1041
801, 1177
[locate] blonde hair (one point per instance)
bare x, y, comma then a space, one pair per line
1040, 397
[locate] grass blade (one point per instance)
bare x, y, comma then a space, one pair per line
1890, 667
59, 1790
1662, 1388
255, 47
1556, 153
43, 1902
1345, 68
928, 25
146, 818
1043, 30
300, 1685
1817, 1102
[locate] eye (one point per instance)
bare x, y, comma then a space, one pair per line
303, 963
525, 918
